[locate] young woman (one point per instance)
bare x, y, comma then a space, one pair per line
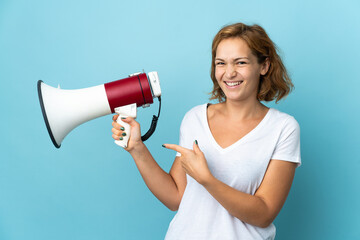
236, 159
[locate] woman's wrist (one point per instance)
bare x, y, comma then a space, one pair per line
138, 149
208, 180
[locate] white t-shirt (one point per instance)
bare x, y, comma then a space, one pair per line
241, 166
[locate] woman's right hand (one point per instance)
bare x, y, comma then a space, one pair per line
135, 133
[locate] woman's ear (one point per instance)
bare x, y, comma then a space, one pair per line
265, 66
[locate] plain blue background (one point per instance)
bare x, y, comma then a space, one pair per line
90, 188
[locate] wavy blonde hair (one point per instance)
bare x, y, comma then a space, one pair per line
276, 83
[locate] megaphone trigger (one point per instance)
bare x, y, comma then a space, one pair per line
125, 111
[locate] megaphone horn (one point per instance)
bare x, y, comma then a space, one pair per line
64, 110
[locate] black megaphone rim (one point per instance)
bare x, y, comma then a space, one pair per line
45, 116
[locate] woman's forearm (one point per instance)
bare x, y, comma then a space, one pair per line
159, 182
246, 207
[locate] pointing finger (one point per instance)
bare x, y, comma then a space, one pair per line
175, 147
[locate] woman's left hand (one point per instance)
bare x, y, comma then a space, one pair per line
193, 162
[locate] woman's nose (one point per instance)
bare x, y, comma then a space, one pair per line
230, 71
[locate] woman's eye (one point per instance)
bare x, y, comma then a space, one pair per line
241, 63
219, 63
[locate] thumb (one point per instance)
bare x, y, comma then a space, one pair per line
131, 121
196, 147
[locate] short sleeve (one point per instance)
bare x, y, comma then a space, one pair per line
181, 137
288, 145
187, 127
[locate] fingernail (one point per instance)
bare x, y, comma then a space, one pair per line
122, 128
121, 138
124, 134
196, 142
163, 146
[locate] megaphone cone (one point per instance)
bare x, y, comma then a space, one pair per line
64, 110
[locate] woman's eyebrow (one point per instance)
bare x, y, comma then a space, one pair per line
239, 58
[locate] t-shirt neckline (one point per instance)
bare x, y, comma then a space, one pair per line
239, 141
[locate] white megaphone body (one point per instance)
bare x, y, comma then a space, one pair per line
63, 110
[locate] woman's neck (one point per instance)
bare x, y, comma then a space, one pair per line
243, 111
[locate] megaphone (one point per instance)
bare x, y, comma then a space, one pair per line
64, 110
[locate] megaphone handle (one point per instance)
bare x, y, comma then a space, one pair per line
125, 111
124, 142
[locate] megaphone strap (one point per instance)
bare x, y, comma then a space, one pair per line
153, 124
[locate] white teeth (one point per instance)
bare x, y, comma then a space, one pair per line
231, 84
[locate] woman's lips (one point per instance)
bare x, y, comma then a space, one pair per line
233, 84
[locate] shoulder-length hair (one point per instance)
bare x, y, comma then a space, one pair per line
276, 83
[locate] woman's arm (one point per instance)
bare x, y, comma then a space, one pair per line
259, 209
167, 187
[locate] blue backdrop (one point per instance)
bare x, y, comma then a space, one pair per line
90, 188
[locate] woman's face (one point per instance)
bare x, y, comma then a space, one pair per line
237, 70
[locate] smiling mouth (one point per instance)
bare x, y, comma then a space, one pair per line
232, 84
